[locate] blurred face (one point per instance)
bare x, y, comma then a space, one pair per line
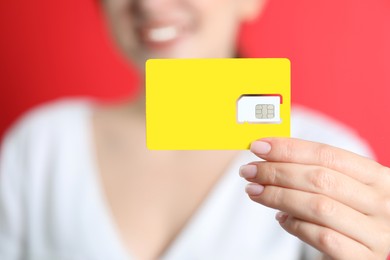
146, 29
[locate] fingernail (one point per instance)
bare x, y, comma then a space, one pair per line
254, 189
260, 147
281, 217
248, 171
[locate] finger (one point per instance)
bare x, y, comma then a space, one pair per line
332, 243
305, 152
314, 179
320, 210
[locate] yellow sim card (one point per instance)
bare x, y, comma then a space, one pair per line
216, 104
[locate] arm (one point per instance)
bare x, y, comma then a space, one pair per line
11, 198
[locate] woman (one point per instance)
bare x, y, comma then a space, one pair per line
77, 181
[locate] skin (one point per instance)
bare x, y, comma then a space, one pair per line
133, 177
341, 202
208, 29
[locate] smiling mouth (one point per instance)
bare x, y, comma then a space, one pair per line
160, 34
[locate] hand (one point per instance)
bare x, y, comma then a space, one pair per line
334, 200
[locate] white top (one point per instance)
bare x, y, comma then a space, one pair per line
52, 205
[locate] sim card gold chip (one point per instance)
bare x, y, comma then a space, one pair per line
265, 111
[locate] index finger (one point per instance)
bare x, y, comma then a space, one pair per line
305, 152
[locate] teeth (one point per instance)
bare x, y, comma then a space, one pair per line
162, 34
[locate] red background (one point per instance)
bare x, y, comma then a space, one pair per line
339, 49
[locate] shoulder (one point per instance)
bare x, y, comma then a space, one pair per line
46, 166
51, 116
48, 122
314, 126
44, 131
